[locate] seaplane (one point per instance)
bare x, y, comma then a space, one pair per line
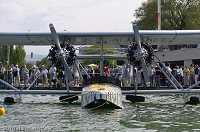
103, 91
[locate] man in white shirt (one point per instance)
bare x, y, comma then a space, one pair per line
52, 72
44, 72
25, 74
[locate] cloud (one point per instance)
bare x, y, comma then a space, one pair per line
69, 15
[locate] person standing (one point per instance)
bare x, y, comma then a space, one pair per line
191, 78
196, 73
168, 71
199, 74
35, 74
131, 74
52, 72
177, 74
60, 78
107, 71
84, 72
112, 74
126, 76
44, 72
72, 70
97, 71
25, 74
120, 74
181, 74
76, 77
152, 75
10, 74
91, 71
2, 72
186, 74
142, 83
13, 79
158, 73
16, 76
115, 71
163, 77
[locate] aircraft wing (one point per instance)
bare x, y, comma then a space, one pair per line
154, 37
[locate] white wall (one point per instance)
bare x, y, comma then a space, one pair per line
187, 63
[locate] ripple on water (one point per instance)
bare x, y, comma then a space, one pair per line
157, 113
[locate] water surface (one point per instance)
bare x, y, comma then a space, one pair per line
159, 113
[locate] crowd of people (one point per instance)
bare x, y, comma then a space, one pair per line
185, 76
49, 77
13, 75
159, 74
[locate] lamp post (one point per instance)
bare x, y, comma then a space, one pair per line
159, 14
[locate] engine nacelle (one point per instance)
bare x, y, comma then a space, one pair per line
134, 54
68, 52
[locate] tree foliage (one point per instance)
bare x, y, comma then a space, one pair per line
19, 55
11, 59
9, 55
47, 63
95, 50
175, 15
4, 50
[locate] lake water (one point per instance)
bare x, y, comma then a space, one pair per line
159, 113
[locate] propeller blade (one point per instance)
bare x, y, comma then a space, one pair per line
67, 71
145, 72
55, 37
57, 43
137, 36
141, 54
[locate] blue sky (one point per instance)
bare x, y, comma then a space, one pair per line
69, 15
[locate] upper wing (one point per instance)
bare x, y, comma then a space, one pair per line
154, 37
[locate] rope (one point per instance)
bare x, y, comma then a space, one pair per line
98, 106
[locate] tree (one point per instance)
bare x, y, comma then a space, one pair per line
95, 49
11, 59
176, 14
19, 55
9, 55
4, 51
47, 63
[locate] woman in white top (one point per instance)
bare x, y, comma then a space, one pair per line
168, 71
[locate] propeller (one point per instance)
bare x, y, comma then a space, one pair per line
61, 54
141, 54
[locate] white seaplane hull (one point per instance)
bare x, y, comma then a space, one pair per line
101, 96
